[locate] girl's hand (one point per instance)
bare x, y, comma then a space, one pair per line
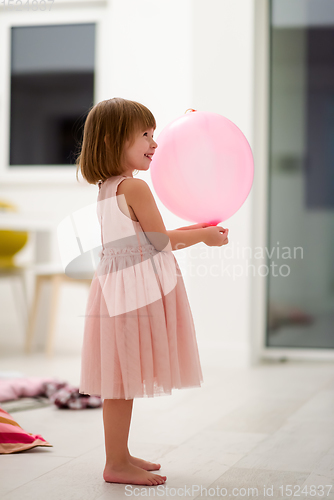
215, 236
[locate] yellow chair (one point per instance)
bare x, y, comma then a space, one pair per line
11, 242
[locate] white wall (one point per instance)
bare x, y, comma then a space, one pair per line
222, 82
169, 55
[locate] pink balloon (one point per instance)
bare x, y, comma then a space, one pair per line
203, 168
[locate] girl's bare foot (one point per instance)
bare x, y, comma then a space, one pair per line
131, 474
144, 464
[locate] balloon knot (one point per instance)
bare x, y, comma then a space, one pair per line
190, 109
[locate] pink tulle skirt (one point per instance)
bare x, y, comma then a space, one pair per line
139, 335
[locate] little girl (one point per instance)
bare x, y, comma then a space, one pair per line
139, 336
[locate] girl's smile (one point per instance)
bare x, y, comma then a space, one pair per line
143, 148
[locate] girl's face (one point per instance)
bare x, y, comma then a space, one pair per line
139, 155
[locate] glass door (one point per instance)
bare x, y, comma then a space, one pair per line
301, 190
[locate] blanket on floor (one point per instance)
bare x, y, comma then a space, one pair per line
62, 394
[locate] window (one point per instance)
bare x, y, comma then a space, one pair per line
51, 91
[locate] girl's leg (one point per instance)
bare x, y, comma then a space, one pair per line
118, 468
116, 419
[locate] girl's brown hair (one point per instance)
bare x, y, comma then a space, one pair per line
109, 124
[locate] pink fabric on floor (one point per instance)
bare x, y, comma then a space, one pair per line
23, 387
62, 394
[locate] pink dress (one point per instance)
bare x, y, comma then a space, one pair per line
139, 335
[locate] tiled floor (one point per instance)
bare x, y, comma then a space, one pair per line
269, 427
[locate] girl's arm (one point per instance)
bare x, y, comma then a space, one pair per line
194, 226
139, 196
182, 239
